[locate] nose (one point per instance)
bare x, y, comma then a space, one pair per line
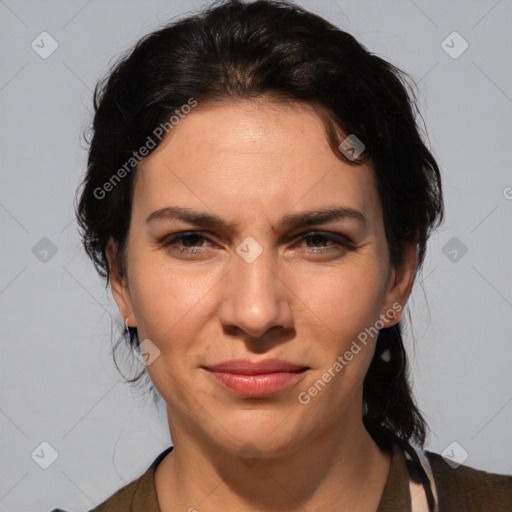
255, 297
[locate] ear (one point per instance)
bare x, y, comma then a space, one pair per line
119, 286
399, 287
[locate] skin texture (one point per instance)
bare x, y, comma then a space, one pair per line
304, 300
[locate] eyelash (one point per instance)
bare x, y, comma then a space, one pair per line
338, 240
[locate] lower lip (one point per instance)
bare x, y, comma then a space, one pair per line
262, 384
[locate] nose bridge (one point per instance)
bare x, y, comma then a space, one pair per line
258, 299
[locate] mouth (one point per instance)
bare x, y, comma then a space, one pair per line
255, 379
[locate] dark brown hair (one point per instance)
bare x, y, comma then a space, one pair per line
272, 49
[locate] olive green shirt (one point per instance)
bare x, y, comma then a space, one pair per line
463, 489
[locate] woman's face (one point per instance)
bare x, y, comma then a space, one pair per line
257, 280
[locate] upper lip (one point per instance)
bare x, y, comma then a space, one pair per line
246, 367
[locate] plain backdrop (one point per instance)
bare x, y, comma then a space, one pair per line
59, 385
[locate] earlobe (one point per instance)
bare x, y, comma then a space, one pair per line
399, 288
119, 287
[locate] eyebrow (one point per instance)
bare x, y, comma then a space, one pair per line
289, 221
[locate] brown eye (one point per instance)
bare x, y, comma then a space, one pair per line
190, 242
322, 241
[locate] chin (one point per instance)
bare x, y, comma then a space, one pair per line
261, 432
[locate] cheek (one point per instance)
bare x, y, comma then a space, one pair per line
343, 352
168, 304
348, 304
170, 311
347, 300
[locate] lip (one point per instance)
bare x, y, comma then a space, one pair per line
247, 367
255, 379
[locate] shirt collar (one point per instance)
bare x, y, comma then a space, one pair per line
395, 497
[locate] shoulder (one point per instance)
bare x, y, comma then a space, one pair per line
469, 489
121, 499
137, 496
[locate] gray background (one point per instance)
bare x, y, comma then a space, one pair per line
58, 382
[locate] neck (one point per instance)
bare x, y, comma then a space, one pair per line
338, 470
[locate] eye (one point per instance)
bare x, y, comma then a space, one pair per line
322, 242
190, 242
317, 243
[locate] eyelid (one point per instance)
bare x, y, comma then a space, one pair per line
327, 234
338, 238
342, 240
180, 235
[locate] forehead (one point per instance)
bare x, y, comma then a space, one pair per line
252, 154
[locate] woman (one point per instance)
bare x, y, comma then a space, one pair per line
259, 197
